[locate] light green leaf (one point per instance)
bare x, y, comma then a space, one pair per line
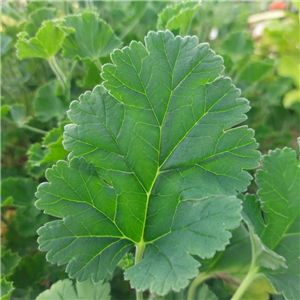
36, 155
291, 98
289, 67
160, 167
48, 104
34, 164
17, 115
204, 293
279, 193
64, 290
4, 110
53, 142
43, 14
5, 44
237, 44
254, 71
9, 261
45, 45
178, 16
92, 38
6, 289
236, 258
37, 17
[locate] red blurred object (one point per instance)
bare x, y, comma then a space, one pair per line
277, 5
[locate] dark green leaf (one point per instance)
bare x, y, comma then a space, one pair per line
9, 261
163, 104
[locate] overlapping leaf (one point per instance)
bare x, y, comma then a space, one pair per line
45, 45
178, 16
92, 38
6, 289
279, 231
64, 290
154, 163
9, 261
49, 103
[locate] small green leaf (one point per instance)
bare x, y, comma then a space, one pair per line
17, 115
253, 72
43, 14
178, 16
37, 17
6, 289
237, 44
49, 104
29, 275
279, 192
53, 142
204, 293
65, 290
154, 163
36, 155
45, 45
92, 38
9, 261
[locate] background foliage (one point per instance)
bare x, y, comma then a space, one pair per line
48, 60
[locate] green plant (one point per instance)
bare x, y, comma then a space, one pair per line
182, 140
155, 164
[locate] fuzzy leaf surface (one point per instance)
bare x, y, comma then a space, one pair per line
154, 162
279, 231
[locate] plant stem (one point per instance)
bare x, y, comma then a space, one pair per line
98, 64
58, 72
196, 282
138, 257
245, 284
35, 129
253, 271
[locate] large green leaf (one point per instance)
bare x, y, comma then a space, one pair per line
92, 38
160, 167
279, 230
64, 290
45, 45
